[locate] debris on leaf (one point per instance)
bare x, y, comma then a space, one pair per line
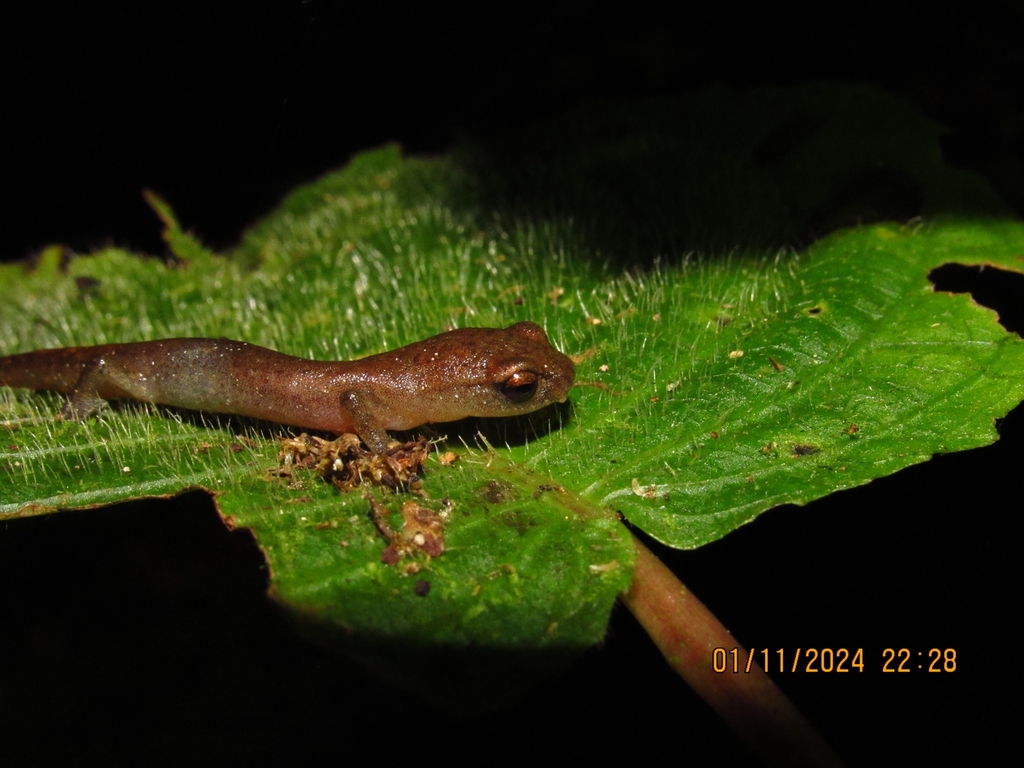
545, 487
497, 492
422, 531
644, 492
805, 450
345, 463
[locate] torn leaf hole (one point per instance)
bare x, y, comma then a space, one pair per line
998, 289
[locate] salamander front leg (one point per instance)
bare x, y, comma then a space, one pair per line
366, 425
85, 401
101, 376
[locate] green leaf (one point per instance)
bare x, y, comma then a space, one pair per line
527, 579
730, 383
815, 374
530, 572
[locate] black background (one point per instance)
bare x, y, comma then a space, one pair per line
140, 632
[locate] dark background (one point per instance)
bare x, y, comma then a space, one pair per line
140, 633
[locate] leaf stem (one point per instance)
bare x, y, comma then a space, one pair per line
687, 634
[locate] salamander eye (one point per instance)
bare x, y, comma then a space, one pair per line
520, 387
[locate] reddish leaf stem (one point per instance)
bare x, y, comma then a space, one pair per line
687, 633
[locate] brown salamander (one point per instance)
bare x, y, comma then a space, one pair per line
461, 373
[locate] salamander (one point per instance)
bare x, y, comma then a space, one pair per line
454, 375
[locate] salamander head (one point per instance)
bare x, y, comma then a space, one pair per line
484, 372
526, 372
